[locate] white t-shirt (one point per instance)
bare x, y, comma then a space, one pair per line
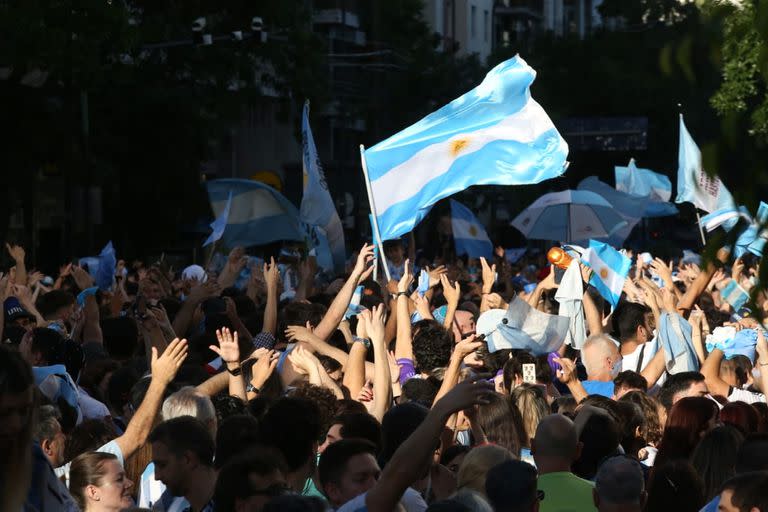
631, 360
410, 502
743, 395
111, 447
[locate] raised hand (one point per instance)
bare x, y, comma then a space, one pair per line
228, 349
298, 333
422, 306
363, 261
436, 275
271, 275
165, 366
464, 395
374, 324
567, 371
489, 275
405, 282
737, 270
663, 271
467, 346
16, 251
451, 293
82, 278
264, 367
205, 290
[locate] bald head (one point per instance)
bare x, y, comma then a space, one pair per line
556, 437
599, 353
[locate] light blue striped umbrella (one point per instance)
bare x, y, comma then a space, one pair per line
569, 216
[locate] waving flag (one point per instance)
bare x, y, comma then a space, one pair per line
648, 184
726, 217
496, 134
693, 183
468, 234
609, 270
220, 223
317, 207
258, 214
631, 208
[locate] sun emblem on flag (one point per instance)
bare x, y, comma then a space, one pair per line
458, 145
473, 230
603, 273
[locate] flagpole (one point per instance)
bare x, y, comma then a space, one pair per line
374, 215
701, 229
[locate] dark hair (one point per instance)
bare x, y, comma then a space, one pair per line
294, 503
119, 387
48, 304
753, 454
185, 434
511, 486
600, 437
452, 452
631, 380
298, 313
121, 337
234, 480
47, 425
398, 424
87, 469
513, 367
88, 436
292, 425
330, 365
627, 318
93, 374
421, 391
334, 459
686, 422
631, 420
349, 406
565, 405
652, 428
502, 423
49, 344
741, 416
748, 491
432, 345
675, 486
715, 458
320, 396
677, 383
227, 406
233, 435
360, 426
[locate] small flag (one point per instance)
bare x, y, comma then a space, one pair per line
726, 217
354, 307
105, 274
423, 283
469, 235
220, 223
609, 270
734, 295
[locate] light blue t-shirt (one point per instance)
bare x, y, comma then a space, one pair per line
596, 387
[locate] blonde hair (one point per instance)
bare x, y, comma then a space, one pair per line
532, 404
87, 469
476, 465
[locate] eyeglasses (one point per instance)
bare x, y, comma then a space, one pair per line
272, 491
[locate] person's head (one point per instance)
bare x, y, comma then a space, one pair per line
347, 469
292, 425
189, 402
353, 426
322, 397
502, 423
398, 424
653, 426
249, 480
88, 436
745, 493
16, 315
512, 487
601, 358
453, 456
421, 391
619, 485
627, 381
233, 435
49, 435
394, 251
600, 436
56, 305
432, 345
151, 290
97, 482
753, 454
733, 374
633, 322
674, 485
555, 441
741, 416
532, 404
42, 347
474, 469
463, 324
181, 448
16, 427
681, 385
715, 458
689, 420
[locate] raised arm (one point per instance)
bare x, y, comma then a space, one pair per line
463, 348
593, 317
382, 386
164, 370
548, 283
403, 342
711, 371
339, 306
229, 351
567, 375
489, 276
272, 280
18, 254
452, 295
700, 283
197, 295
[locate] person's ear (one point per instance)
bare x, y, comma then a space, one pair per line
92, 493
638, 433
45, 445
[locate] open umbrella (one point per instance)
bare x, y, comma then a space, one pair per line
569, 216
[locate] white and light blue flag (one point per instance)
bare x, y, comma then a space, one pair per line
753, 238
354, 307
630, 207
219, 224
609, 270
258, 214
693, 184
646, 183
317, 207
469, 235
495, 134
726, 217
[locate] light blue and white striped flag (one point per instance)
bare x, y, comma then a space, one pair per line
317, 207
469, 235
646, 183
726, 217
258, 214
219, 224
693, 183
609, 270
495, 134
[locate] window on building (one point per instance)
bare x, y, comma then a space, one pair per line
485, 25
473, 21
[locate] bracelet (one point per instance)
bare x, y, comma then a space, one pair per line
366, 342
762, 364
252, 389
399, 294
236, 372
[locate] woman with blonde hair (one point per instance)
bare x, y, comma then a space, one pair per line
97, 482
476, 464
531, 401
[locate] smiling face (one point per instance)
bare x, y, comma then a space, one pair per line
114, 490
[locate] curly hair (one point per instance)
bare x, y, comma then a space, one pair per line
322, 397
653, 428
432, 345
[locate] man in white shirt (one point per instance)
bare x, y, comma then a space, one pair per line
634, 325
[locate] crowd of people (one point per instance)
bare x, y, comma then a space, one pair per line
275, 386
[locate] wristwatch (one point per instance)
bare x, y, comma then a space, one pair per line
366, 342
236, 372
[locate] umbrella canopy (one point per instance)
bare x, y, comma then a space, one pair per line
568, 216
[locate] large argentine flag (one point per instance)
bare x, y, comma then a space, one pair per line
495, 134
468, 234
258, 214
693, 183
609, 270
317, 207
